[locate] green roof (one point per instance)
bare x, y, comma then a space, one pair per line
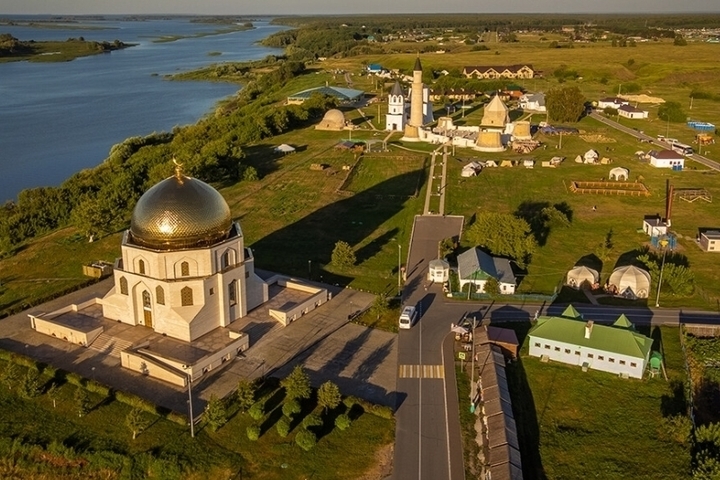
612, 339
623, 322
570, 312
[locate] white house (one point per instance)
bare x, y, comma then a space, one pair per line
667, 159
710, 240
655, 226
476, 267
617, 349
534, 102
628, 111
611, 102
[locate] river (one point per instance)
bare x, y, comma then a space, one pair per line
59, 118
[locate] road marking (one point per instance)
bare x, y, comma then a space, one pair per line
421, 371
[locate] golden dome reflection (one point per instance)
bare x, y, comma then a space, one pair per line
180, 212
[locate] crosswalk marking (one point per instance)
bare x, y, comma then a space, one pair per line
421, 371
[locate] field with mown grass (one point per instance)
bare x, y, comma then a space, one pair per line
56, 443
575, 424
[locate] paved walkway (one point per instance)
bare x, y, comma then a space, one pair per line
360, 360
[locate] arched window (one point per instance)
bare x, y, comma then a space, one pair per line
123, 286
160, 295
185, 269
232, 293
147, 301
225, 260
186, 297
141, 267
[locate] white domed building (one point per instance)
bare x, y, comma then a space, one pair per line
333, 120
630, 282
184, 269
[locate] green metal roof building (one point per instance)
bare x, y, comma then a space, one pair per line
615, 348
344, 95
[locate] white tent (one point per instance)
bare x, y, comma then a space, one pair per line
578, 159
580, 277
285, 148
619, 173
471, 169
591, 156
490, 163
630, 282
528, 163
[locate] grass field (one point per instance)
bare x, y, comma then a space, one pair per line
595, 425
165, 449
58, 51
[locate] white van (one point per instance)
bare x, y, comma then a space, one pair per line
408, 317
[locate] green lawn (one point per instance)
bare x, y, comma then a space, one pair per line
165, 449
595, 425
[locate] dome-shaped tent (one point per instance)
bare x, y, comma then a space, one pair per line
582, 277
630, 281
333, 120
619, 173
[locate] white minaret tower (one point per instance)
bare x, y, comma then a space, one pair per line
416, 96
396, 119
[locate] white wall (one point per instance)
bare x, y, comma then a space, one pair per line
596, 359
662, 163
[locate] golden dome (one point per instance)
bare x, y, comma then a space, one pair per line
180, 212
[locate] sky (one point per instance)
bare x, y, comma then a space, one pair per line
289, 7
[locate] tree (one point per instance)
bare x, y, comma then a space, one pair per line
446, 247
671, 112
343, 255
312, 420
342, 422
283, 427
31, 386
328, 396
297, 384
492, 286
257, 411
503, 234
610, 111
253, 432
565, 104
306, 439
53, 393
290, 408
10, 374
676, 276
604, 249
379, 306
136, 422
245, 395
215, 413
679, 40
82, 401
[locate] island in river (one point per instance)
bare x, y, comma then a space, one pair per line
13, 50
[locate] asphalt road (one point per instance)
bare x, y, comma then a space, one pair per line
653, 141
427, 439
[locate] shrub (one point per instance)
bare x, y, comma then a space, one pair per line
342, 422
177, 418
312, 420
257, 411
350, 401
290, 408
253, 432
31, 385
82, 402
382, 411
283, 427
136, 402
215, 413
98, 388
306, 439
245, 395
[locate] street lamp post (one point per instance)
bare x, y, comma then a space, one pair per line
309, 269
190, 407
472, 366
399, 270
662, 267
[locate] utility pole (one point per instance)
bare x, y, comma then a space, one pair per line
472, 368
662, 267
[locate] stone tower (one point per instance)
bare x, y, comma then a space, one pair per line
396, 118
416, 98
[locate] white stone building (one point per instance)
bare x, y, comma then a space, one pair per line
667, 159
396, 118
476, 267
617, 349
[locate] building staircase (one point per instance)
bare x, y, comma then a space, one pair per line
109, 345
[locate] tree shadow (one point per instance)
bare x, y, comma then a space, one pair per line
274, 408
674, 403
350, 219
631, 258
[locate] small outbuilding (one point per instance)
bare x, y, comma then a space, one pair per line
667, 159
619, 174
630, 282
582, 277
438, 271
710, 240
528, 163
655, 225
